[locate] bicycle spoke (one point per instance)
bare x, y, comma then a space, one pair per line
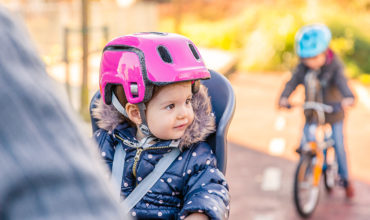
311, 203
305, 185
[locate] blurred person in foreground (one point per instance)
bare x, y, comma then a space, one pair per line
312, 46
48, 169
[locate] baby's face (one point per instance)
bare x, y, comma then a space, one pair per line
315, 62
170, 111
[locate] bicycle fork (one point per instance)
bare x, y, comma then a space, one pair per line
318, 163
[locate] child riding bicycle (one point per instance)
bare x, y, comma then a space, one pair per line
153, 106
312, 47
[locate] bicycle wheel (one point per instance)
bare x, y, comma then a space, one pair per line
306, 194
331, 171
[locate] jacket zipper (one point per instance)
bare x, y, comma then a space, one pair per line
138, 153
136, 159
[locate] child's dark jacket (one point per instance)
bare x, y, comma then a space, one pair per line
332, 81
191, 184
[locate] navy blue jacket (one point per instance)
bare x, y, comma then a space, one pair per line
191, 184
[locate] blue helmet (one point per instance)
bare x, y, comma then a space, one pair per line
312, 40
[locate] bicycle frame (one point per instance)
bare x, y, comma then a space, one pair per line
318, 147
313, 158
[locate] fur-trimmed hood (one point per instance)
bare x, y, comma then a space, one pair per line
203, 125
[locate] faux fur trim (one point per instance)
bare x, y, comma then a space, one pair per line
204, 122
203, 125
107, 115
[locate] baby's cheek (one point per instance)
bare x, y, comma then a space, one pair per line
191, 116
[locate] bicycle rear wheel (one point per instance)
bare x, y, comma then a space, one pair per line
306, 194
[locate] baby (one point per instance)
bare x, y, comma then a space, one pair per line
153, 103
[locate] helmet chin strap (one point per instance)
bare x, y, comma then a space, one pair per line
144, 125
118, 105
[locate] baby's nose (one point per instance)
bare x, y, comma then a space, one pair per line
182, 112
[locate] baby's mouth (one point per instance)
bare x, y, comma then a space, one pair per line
181, 126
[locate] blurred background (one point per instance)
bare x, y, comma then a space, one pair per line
251, 43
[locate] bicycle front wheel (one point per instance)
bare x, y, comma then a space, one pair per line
306, 193
331, 171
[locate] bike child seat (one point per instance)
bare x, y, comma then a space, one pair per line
223, 105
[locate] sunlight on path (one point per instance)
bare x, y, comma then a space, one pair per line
280, 123
363, 95
271, 180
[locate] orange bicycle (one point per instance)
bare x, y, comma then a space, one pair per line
317, 160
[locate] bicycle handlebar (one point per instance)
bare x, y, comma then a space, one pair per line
319, 107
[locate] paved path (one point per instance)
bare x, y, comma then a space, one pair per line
247, 173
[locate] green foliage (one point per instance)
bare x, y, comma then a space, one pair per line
365, 79
352, 70
263, 34
352, 43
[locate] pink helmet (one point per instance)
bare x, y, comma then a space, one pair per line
139, 61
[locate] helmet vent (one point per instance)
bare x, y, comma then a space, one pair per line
165, 55
192, 48
157, 33
116, 47
152, 32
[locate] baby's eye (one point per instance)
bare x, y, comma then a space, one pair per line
188, 101
169, 107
